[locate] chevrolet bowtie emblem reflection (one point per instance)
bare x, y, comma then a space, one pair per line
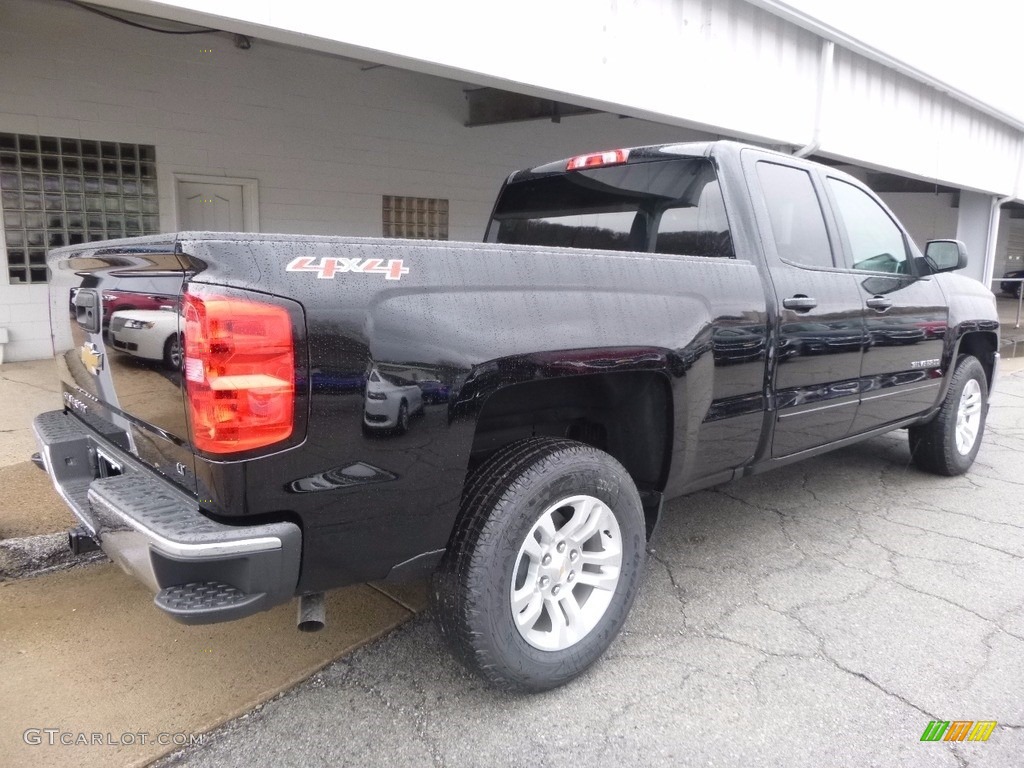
92, 358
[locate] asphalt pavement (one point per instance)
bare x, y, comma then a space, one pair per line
821, 614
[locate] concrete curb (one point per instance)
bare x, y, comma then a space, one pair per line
34, 555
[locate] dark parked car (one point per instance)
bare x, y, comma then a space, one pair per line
1010, 287
434, 391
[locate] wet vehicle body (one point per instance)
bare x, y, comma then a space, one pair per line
667, 317
149, 334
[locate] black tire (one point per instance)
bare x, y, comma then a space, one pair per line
402, 422
933, 446
173, 353
472, 588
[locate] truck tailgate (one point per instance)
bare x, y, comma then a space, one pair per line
115, 317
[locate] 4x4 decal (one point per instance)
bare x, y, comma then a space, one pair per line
329, 266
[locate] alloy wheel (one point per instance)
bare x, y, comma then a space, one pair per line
968, 417
566, 573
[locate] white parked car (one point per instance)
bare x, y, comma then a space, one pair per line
390, 401
152, 334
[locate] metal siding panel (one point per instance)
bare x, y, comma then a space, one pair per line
886, 119
726, 65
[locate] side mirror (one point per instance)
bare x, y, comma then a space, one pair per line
945, 255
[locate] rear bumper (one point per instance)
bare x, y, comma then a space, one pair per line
380, 414
201, 571
141, 343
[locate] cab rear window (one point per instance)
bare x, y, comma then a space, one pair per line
669, 206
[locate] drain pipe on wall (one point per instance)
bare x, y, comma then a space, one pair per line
828, 49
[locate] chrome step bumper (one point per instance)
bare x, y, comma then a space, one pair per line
157, 533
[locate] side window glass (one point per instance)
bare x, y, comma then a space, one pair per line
876, 244
700, 229
798, 225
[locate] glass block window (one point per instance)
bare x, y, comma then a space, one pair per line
56, 192
421, 218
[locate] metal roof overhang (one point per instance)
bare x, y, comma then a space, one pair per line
744, 68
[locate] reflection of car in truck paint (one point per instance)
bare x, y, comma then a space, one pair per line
390, 402
434, 391
579, 344
826, 338
738, 345
123, 292
151, 334
889, 333
359, 473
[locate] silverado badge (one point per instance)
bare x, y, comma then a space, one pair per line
92, 358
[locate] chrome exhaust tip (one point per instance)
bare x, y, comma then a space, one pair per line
312, 613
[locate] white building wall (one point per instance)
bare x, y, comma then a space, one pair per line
722, 64
711, 62
324, 138
926, 216
974, 218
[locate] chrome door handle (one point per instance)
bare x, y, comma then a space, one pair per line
879, 302
800, 303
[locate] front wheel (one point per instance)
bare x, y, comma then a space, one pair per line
172, 352
544, 563
948, 444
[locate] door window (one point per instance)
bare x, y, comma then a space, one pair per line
798, 226
874, 241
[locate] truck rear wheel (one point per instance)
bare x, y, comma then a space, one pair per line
948, 444
544, 563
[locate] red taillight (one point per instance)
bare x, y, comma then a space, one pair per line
598, 159
239, 373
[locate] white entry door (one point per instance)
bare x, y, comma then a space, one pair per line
224, 205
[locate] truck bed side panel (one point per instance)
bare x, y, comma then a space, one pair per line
433, 337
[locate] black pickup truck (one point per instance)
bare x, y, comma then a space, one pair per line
506, 416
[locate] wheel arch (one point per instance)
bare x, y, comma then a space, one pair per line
983, 345
627, 414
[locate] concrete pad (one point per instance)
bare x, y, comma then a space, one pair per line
34, 555
85, 651
413, 595
25, 390
1010, 365
29, 505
